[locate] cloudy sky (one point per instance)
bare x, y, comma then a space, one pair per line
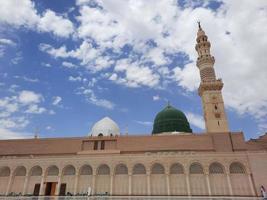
66, 64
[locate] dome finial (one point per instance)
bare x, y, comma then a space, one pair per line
199, 26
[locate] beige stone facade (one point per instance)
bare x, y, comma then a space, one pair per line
215, 163
132, 167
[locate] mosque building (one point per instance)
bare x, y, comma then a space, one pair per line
171, 161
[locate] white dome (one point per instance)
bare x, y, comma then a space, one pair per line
106, 127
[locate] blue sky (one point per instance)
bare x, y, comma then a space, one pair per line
66, 64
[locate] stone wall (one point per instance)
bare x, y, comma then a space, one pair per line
195, 173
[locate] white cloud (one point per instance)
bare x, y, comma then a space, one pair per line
15, 110
18, 13
35, 109
93, 99
113, 77
9, 134
68, 64
50, 22
75, 79
144, 123
14, 122
134, 75
29, 97
187, 77
156, 98
4, 41
33, 80
196, 120
56, 100
24, 13
46, 64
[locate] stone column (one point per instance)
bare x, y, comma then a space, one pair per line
251, 185
10, 180
41, 192
148, 183
229, 183
94, 184
26, 180
111, 183
168, 183
188, 185
208, 183
130, 184
76, 183
58, 183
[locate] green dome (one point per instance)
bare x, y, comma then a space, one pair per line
169, 120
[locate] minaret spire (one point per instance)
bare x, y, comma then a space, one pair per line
210, 87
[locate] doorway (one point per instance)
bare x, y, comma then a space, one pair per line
62, 191
36, 190
50, 189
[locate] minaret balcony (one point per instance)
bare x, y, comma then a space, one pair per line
205, 59
210, 86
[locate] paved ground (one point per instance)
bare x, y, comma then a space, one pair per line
129, 198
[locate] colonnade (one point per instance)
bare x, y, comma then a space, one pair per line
139, 180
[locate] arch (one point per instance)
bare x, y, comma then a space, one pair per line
52, 171
86, 170
121, 169
100, 135
69, 170
5, 171
158, 180
177, 179
139, 180
20, 171
36, 171
103, 179
237, 168
157, 169
121, 181
196, 168
103, 170
18, 182
216, 168
176, 168
139, 169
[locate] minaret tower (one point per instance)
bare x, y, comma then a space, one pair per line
210, 88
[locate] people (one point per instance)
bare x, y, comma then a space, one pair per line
89, 191
263, 192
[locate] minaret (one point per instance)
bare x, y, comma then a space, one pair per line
210, 88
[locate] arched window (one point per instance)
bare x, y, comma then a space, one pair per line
121, 169
157, 169
86, 170
237, 168
53, 171
196, 168
176, 168
4, 171
216, 168
20, 171
139, 169
36, 171
100, 134
69, 170
103, 170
